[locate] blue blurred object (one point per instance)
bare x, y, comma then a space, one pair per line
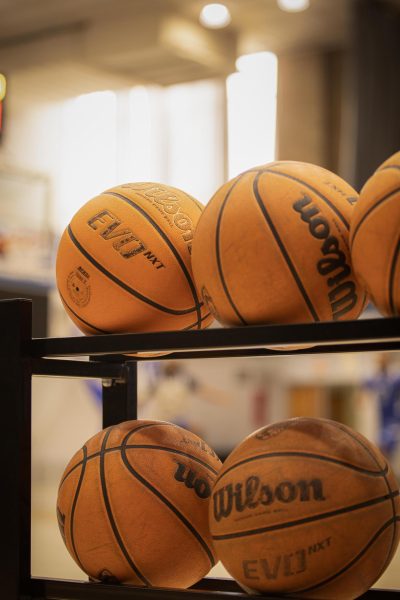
387, 388
95, 388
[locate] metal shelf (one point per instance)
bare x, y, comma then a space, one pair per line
215, 589
340, 336
21, 357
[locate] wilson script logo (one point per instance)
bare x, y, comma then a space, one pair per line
342, 296
170, 207
192, 480
253, 492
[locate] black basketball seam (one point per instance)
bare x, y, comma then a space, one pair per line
195, 324
173, 451
369, 211
123, 285
168, 242
165, 500
80, 318
129, 446
192, 326
352, 562
367, 450
364, 302
110, 515
198, 204
391, 282
218, 253
370, 453
166, 423
95, 454
318, 517
74, 503
267, 167
303, 455
283, 250
313, 189
388, 167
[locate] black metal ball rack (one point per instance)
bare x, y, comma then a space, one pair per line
21, 356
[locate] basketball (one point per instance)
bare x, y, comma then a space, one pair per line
308, 507
123, 263
132, 505
375, 237
272, 247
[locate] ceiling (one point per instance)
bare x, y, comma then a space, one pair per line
159, 41
326, 21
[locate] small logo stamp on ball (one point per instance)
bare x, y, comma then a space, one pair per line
79, 287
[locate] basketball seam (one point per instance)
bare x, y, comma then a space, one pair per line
197, 203
393, 265
352, 562
313, 189
310, 519
165, 448
218, 253
123, 285
368, 451
110, 515
167, 502
80, 318
166, 423
283, 250
74, 503
168, 242
192, 326
303, 455
268, 166
173, 451
95, 454
388, 167
369, 211
364, 302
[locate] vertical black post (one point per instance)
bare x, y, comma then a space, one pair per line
15, 448
120, 397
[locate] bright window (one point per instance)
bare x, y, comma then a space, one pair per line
88, 150
251, 95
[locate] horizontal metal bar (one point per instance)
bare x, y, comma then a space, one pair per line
217, 589
217, 583
377, 593
364, 331
248, 352
48, 367
208, 588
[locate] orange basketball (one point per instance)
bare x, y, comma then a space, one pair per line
375, 236
123, 263
272, 246
133, 505
307, 507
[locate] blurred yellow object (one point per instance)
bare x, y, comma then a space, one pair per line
3, 86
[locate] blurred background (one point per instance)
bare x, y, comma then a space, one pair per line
95, 93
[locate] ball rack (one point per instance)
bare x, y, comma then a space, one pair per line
23, 357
